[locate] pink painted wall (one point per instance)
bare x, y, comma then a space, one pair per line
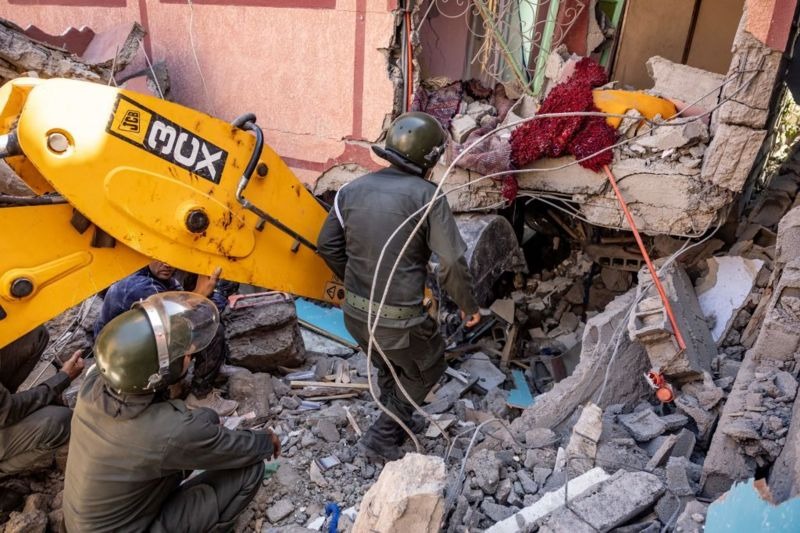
311, 70
770, 21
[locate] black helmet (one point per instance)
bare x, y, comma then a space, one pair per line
415, 142
142, 350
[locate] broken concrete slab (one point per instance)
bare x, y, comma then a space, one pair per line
549, 502
661, 454
723, 291
660, 197
264, 335
280, 510
674, 135
601, 338
684, 83
702, 417
408, 496
643, 425
611, 503
650, 325
479, 365
788, 239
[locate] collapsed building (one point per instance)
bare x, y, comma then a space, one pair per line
574, 408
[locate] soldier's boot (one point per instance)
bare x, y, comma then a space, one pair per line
379, 442
416, 425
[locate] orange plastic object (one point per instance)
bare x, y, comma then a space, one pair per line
664, 391
618, 102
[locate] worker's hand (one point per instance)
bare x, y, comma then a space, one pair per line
474, 319
73, 366
206, 284
276, 444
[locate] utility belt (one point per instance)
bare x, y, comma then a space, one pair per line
394, 312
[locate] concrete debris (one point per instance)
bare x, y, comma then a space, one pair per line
722, 292
480, 366
263, 337
684, 83
280, 510
692, 518
650, 325
485, 465
674, 135
540, 438
582, 447
611, 503
492, 250
461, 126
408, 496
549, 502
588, 379
643, 425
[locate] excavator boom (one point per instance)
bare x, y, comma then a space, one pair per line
128, 178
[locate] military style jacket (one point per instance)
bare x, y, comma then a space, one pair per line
365, 214
128, 453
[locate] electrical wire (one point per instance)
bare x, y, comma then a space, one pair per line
196, 60
373, 318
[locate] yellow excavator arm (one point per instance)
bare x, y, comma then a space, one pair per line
125, 178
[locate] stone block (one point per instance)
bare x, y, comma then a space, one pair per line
461, 126
684, 446
582, 447
408, 496
643, 425
752, 86
730, 156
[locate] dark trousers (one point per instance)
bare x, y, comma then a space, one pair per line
210, 501
30, 444
207, 363
416, 354
18, 359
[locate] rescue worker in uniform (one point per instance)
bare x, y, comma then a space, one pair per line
365, 214
132, 448
157, 277
31, 428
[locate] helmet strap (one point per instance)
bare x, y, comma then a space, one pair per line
159, 330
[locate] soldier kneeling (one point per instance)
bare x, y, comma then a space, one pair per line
132, 448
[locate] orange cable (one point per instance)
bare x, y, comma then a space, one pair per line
650, 267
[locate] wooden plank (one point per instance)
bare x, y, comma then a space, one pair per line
325, 384
344, 396
509, 348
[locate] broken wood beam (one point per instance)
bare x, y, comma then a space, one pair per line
329, 385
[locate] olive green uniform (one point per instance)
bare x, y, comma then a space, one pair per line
30, 428
366, 213
130, 454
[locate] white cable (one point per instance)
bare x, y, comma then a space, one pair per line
196, 60
437, 194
